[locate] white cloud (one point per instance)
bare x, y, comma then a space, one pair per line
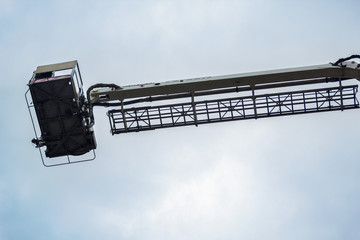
7, 7
209, 200
206, 196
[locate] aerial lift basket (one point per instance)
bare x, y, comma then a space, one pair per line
56, 98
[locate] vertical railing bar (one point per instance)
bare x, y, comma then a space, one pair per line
123, 115
218, 103
172, 116
147, 112
341, 95
207, 111
194, 108
254, 101
160, 118
279, 103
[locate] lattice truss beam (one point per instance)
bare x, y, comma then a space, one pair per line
228, 109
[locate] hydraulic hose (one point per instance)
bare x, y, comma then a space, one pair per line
341, 60
90, 105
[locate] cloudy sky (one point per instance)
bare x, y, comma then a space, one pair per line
295, 177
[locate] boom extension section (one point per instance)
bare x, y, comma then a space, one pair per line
229, 97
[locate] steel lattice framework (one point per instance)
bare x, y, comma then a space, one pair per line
229, 109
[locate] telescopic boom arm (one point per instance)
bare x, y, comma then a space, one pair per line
256, 80
258, 94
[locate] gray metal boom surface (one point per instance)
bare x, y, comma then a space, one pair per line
282, 77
